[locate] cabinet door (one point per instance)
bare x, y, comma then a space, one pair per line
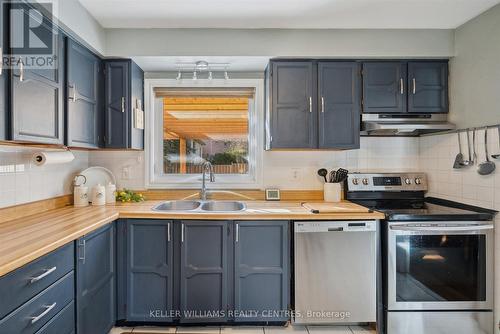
3, 74
204, 283
261, 271
82, 96
293, 105
384, 87
149, 270
116, 104
428, 83
340, 103
37, 101
95, 281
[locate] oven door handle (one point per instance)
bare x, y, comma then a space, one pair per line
444, 229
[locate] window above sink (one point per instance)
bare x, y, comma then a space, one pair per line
194, 121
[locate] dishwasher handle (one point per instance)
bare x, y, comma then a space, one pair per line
335, 226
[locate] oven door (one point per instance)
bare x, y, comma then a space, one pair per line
440, 266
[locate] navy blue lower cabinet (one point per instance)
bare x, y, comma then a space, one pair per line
261, 273
95, 281
149, 270
204, 282
34, 314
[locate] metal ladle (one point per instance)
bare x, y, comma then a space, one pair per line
497, 156
487, 167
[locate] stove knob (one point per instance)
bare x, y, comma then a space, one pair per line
365, 182
355, 182
418, 181
407, 181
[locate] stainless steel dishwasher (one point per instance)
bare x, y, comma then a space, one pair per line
335, 272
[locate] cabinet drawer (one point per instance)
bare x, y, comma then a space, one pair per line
62, 323
21, 285
35, 313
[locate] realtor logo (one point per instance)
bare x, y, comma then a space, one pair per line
33, 34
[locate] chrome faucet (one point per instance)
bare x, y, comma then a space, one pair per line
206, 167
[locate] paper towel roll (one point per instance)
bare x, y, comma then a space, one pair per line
52, 157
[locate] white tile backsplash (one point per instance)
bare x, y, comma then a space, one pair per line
22, 182
383, 154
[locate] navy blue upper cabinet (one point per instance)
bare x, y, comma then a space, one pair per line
384, 87
124, 86
428, 87
95, 281
37, 101
149, 270
261, 281
405, 86
292, 114
339, 93
83, 109
204, 271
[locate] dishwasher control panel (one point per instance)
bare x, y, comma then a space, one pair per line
336, 226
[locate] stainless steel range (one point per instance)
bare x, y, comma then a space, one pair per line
437, 257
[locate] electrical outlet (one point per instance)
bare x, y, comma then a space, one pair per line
296, 174
126, 172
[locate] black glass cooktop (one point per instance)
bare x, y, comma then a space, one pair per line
429, 209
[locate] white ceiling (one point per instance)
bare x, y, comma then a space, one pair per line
235, 64
303, 14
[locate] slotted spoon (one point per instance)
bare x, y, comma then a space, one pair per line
487, 167
459, 158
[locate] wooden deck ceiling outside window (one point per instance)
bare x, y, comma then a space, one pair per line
200, 127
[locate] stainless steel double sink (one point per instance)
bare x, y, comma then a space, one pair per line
200, 206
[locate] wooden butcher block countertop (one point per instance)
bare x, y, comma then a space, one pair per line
25, 239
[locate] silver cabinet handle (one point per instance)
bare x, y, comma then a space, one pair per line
21, 72
48, 308
123, 104
310, 104
1, 60
81, 257
237, 232
45, 274
73, 98
414, 81
182, 232
322, 104
401, 86
168, 232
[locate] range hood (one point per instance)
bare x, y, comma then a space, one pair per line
410, 125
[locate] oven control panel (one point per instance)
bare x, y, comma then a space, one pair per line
387, 182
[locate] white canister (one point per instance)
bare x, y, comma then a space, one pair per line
110, 193
332, 192
98, 195
80, 196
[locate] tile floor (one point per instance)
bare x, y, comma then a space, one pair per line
246, 330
